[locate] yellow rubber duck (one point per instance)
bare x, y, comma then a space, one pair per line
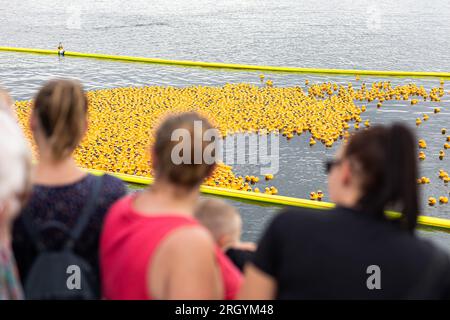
273, 190
418, 122
367, 123
414, 101
268, 176
443, 200
431, 201
437, 110
443, 131
422, 155
423, 180
312, 141
254, 180
319, 195
446, 145
441, 154
425, 117
313, 196
422, 144
442, 174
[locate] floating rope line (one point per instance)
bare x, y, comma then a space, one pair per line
220, 65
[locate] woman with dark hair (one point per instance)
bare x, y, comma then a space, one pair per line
354, 251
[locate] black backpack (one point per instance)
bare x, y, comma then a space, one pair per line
62, 274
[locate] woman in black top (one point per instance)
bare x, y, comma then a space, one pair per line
354, 251
61, 190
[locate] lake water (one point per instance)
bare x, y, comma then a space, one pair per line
405, 35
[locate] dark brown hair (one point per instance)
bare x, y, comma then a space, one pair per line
61, 108
384, 157
189, 174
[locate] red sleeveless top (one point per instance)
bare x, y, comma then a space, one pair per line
127, 244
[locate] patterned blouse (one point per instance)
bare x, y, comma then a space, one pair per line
64, 204
10, 288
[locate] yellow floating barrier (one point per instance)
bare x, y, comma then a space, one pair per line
426, 221
391, 73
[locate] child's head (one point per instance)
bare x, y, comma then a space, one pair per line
221, 219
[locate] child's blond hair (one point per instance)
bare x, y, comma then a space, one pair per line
220, 218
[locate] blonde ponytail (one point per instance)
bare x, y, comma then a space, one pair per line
61, 108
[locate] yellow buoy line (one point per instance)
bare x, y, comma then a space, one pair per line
426, 221
395, 73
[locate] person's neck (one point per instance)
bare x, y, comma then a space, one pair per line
49, 171
349, 200
165, 197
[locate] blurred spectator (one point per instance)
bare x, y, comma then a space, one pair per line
151, 246
354, 251
15, 163
225, 224
61, 190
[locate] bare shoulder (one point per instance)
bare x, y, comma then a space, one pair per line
184, 255
189, 239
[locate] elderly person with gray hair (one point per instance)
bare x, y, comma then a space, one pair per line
6, 102
15, 165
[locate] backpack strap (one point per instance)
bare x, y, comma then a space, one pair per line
79, 227
33, 233
86, 214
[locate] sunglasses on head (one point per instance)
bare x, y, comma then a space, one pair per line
329, 164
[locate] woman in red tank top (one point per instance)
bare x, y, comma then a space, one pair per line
151, 246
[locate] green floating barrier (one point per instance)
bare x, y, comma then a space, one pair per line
426, 221
390, 73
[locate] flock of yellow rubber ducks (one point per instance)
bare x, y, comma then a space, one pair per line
443, 175
122, 119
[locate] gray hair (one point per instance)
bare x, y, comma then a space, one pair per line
15, 158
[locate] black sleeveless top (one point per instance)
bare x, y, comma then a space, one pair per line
344, 254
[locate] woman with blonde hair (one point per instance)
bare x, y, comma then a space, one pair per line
15, 163
151, 245
61, 191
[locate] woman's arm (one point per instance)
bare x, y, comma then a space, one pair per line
187, 266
